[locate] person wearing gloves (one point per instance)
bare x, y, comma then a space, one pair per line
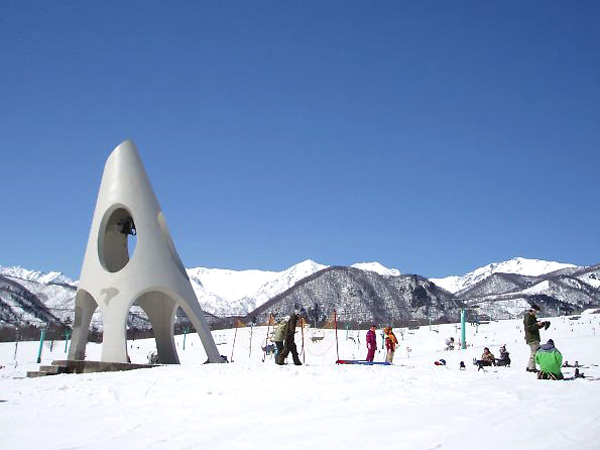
532, 334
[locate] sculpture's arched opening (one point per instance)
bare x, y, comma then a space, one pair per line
117, 239
141, 348
160, 308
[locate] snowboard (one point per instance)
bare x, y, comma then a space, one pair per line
363, 362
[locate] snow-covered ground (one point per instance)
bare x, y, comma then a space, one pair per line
251, 404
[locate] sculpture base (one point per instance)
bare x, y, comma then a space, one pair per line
77, 366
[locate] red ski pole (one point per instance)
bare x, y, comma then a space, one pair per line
337, 350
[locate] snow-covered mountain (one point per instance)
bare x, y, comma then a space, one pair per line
377, 268
36, 276
496, 290
224, 292
519, 266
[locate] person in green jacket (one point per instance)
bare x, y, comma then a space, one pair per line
550, 361
532, 334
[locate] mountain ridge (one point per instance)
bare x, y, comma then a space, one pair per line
504, 288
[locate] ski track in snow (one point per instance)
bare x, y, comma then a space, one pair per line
251, 404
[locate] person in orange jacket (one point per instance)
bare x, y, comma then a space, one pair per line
390, 343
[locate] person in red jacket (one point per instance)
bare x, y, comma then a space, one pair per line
371, 343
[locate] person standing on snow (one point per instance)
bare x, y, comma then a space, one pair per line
390, 343
279, 336
371, 343
532, 334
289, 345
550, 361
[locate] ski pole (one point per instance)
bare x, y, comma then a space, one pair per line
251, 328
233, 346
266, 340
337, 350
302, 333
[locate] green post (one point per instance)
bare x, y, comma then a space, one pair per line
42, 336
67, 336
185, 330
463, 331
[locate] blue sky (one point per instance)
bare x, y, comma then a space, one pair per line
433, 137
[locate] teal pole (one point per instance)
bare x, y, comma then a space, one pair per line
67, 336
42, 336
463, 331
184, 336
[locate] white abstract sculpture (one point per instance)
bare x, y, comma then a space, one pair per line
153, 277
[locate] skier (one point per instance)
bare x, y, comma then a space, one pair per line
289, 346
532, 334
371, 343
390, 343
550, 361
450, 343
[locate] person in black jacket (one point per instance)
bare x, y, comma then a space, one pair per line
289, 346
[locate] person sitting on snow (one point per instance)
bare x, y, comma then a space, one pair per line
504, 359
487, 359
550, 361
450, 343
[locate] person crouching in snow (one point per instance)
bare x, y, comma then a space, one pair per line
371, 343
550, 361
390, 343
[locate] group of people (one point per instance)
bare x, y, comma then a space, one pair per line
390, 343
546, 355
283, 336
488, 358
